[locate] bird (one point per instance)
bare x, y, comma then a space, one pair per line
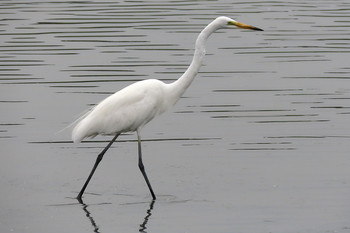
131, 108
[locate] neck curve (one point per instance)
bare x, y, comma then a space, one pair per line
178, 87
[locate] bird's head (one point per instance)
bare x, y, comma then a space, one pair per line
225, 22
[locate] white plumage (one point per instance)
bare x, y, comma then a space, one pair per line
126, 110
134, 106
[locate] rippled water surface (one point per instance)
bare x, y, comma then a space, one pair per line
258, 143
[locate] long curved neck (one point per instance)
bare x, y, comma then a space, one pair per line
178, 87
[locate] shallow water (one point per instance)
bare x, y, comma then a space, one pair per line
258, 143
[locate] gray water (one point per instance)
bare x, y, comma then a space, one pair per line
258, 143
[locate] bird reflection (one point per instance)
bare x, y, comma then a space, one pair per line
145, 220
142, 227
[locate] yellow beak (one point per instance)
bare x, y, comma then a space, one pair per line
244, 26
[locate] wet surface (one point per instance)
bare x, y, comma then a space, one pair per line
258, 143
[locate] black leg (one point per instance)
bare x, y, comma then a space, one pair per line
142, 168
98, 160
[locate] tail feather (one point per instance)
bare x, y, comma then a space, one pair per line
77, 134
82, 130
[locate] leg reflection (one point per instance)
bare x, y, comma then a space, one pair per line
145, 220
142, 228
89, 216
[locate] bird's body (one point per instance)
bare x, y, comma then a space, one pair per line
135, 105
126, 110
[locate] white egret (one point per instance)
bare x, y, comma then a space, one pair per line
131, 108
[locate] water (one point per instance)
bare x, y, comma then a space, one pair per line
259, 142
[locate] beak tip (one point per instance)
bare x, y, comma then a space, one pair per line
257, 29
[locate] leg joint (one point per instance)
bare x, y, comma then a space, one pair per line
141, 166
